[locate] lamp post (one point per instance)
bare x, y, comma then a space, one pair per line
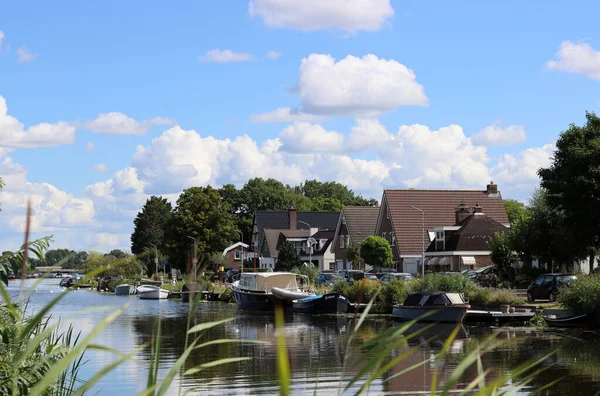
422, 241
195, 258
308, 242
242, 261
155, 258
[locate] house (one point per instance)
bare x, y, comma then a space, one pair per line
355, 224
235, 254
271, 229
464, 245
408, 219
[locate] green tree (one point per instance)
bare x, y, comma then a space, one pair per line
118, 254
501, 250
314, 189
572, 182
515, 210
376, 251
150, 224
353, 254
62, 257
288, 257
200, 213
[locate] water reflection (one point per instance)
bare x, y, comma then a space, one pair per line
316, 347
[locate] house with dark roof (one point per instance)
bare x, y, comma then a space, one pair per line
305, 230
408, 219
355, 224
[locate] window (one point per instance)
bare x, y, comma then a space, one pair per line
342, 241
384, 235
347, 240
387, 210
238, 255
393, 234
332, 266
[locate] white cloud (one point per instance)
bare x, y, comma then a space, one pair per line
303, 137
116, 123
578, 58
1, 38
286, 114
14, 134
225, 56
25, 55
368, 134
366, 86
273, 55
310, 15
100, 168
89, 146
495, 135
520, 171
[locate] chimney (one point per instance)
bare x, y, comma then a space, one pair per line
292, 214
477, 209
462, 212
492, 189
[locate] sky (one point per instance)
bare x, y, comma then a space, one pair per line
103, 104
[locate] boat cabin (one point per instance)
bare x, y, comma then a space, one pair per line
263, 282
434, 298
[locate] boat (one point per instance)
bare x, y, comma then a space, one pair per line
66, 281
185, 292
125, 290
254, 290
432, 307
150, 292
569, 321
332, 303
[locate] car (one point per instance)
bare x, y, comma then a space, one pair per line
547, 286
371, 277
487, 270
328, 278
396, 276
352, 275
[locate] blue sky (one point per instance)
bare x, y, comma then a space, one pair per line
390, 95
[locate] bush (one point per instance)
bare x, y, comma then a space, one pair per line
227, 296
341, 287
445, 283
309, 270
363, 290
392, 293
582, 296
483, 295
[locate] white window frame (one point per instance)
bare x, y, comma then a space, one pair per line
393, 237
238, 255
342, 241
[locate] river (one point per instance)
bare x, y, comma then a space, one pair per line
316, 348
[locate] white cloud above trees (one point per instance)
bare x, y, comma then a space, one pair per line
495, 135
577, 58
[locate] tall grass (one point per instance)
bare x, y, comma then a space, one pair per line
582, 296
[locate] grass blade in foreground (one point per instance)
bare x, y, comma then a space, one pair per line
283, 364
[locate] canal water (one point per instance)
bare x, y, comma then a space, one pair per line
321, 361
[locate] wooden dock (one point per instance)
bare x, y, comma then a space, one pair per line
497, 316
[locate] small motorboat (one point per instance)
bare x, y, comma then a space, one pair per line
125, 290
186, 293
150, 292
432, 307
569, 321
66, 281
332, 303
256, 290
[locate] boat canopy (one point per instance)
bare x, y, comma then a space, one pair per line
434, 298
265, 281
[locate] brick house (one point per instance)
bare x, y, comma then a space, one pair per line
234, 255
355, 224
402, 224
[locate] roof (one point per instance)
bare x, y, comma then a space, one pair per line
274, 239
439, 208
473, 235
280, 220
361, 221
235, 245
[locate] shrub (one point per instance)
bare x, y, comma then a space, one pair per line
307, 269
363, 291
445, 283
392, 293
227, 296
582, 296
341, 287
484, 295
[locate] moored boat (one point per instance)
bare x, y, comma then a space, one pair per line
66, 281
125, 290
254, 290
150, 292
568, 321
332, 303
432, 307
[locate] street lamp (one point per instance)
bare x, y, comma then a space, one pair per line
308, 241
195, 259
242, 261
422, 240
155, 258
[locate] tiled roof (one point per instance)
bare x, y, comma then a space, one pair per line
473, 235
281, 221
439, 207
361, 221
274, 239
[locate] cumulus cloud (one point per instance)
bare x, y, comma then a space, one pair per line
273, 55
13, 133
25, 55
100, 168
366, 86
303, 137
368, 134
89, 146
311, 15
286, 114
520, 170
495, 135
578, 58
225, 56
115, 123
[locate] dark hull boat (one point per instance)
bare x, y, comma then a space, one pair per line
432, 307
332, 303
569, 321
262, 291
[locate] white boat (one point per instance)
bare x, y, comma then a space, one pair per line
125, 290
150, 292
255, 290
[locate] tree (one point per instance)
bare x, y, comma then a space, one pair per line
572, 182
63, 257
288, 257
314, 189
515, 210
216, 260
353, 254
202, 214
376, 251
502, 253
150, 224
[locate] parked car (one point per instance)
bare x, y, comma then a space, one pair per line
352, 275
548, 286
396, 276
371, 277
328, 278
